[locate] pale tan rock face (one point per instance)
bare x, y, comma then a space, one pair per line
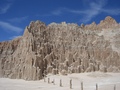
60, 48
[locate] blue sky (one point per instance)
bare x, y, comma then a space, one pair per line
15, 15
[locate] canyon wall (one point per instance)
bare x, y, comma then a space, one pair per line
61, 49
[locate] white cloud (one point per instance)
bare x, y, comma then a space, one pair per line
112, 11
4, 9
94, 8
10, 0
98, 7
18, 19
57, 12
8, 27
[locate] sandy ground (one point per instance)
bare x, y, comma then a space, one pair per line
105, 81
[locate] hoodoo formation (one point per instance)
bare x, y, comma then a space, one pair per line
61, 49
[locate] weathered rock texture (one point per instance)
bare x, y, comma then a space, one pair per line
61, 48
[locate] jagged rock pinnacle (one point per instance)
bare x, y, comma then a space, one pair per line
108, 22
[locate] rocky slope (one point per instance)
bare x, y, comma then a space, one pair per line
61, 48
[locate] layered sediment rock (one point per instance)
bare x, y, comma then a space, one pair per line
61, 48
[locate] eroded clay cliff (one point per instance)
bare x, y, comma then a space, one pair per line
61, 48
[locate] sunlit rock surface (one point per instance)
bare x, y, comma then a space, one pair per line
61, 49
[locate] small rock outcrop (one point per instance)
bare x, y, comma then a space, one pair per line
61, 48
